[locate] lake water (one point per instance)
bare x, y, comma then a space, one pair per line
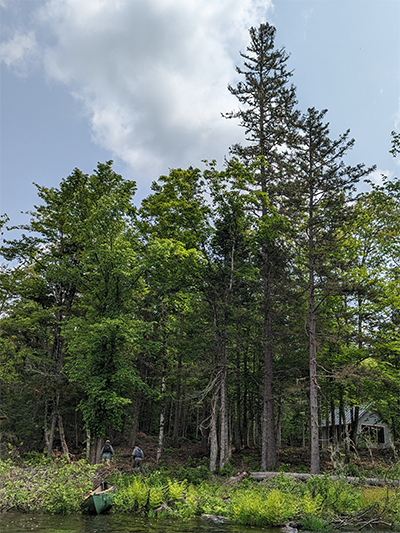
13, 522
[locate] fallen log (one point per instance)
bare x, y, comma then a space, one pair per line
371, 481
236, 479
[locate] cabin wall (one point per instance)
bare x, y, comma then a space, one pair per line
376, 432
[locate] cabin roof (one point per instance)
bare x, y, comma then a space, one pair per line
347, 413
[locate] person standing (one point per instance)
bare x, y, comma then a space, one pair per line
137, 457
107, 452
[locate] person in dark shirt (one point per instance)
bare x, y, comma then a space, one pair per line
137, 457
107, 452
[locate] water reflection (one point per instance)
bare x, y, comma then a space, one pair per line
12, 522
113, 523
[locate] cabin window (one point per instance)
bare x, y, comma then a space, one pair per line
375, 434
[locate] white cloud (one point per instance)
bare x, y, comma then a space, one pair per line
152, 74
397, 117
18, 51
378, 174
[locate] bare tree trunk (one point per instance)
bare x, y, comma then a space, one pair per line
87, 444
224, 436
314, 427
204, 431
93, 450
162, 414
46, 428
98, 448
51, 436
178, 403
53, 426
268, 446
213, 433
238, 427
62, 437
279, 425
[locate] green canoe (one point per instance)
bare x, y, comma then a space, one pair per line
100, 499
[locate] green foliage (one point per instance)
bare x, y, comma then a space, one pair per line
315, 523
192, 474
175, 490
257, 508
36, 459
57, 489
334, 496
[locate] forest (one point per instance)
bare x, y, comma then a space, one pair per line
235, 308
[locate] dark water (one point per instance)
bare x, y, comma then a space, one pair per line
113, 523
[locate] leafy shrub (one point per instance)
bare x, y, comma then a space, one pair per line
311, 506
257, 509
133, 497
156, 496
36, 459
175, 490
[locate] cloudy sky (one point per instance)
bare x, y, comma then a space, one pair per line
143, 82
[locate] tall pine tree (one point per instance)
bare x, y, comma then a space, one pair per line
320, 197
269, 117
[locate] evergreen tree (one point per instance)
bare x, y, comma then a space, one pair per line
321, 208
270, 121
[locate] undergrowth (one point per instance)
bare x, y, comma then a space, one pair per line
59, 487
56, 488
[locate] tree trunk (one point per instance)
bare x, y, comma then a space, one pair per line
178, 402
237, 427
98, 448
279, 425
314, 427
53, 426
46, 428
87, 444
224, 436
62, 437
213, 433
204, 431
268, 446
51, 436
162, 413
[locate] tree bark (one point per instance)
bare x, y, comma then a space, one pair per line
46, 428
268, 446
98, 448
64, 446
314, 426
162, 413
53, 426
213, 433
224, 435
87, 444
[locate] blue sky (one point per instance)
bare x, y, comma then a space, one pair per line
143, 82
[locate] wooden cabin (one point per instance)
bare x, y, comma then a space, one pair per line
371, 430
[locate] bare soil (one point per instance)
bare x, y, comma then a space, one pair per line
289, 459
